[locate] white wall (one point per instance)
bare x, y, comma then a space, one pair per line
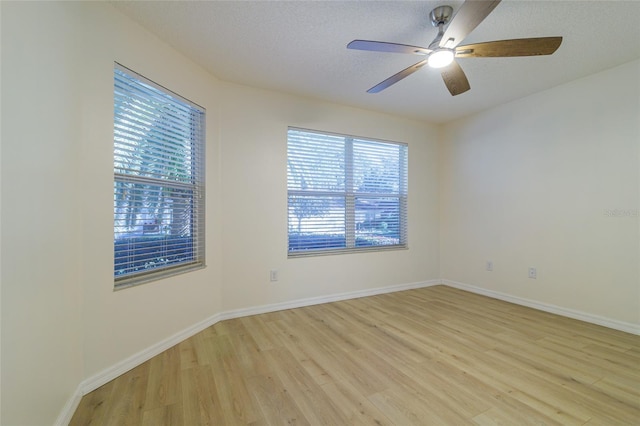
61, 320
119, 324
62, 323
532, 183
254, 221
41, 318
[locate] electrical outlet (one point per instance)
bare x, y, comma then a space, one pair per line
533, 273
273, 275
489, 266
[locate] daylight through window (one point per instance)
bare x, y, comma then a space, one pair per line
345, 193
158, 181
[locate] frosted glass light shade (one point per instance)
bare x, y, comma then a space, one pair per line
440, 58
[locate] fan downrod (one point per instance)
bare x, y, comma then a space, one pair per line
441, 15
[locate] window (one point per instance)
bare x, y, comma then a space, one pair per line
158, 197
345, 193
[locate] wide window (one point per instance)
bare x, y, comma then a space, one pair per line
345, 193
158, 195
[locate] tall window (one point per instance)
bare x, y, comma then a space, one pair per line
158, 196
345, 193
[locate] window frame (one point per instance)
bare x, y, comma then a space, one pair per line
350, 195
194, 185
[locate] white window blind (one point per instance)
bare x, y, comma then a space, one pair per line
158, 181
345, 193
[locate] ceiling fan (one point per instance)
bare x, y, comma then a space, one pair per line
443, 50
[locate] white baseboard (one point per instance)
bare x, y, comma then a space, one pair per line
325, 299
546, 307
105, 376
69, 408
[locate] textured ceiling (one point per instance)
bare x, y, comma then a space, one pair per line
299, 47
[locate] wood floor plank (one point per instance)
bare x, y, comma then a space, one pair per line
403, 409
163, 386
188, 354
615, 358
463, 397
166, 415
355, 409
200, 401
622, 388
276, 402
238, 404
259, 331
301, 354
435, 355
511, 390
545, 360
94, 407
128, 397
247, 352
317, 407
595, 364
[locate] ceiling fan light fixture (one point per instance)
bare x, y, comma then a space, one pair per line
445, 47
440, 58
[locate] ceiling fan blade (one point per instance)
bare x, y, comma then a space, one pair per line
516, 47
455, 79
397, 77
382, 46
470, 14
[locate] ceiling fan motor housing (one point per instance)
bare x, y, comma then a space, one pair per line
441, 15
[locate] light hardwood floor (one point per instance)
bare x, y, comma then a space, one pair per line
433, 356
